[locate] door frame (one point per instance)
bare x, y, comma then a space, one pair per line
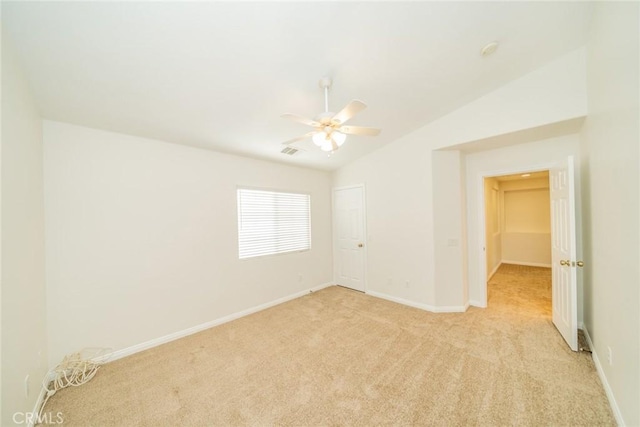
482, 238
334, 237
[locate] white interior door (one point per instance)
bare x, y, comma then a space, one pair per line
563, 252
349, 230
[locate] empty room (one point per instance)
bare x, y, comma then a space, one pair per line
320, 213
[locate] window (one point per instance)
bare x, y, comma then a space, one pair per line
270, 222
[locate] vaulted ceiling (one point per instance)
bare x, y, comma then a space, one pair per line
218, 75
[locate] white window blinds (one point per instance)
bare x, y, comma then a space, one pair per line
271, 222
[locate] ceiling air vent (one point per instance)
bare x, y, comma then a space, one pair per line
290, 151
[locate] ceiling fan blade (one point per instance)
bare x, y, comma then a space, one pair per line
299, 138
359, 130
301, 119
352, 108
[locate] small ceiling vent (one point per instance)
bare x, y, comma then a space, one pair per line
289, 150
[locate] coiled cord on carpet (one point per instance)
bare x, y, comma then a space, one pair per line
74, 370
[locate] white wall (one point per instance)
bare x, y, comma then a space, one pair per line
24, 343
526, 222
611, 251
399, 219
448, 237
400, 181
141, 238
551, 94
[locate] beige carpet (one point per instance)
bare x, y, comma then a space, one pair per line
339, 357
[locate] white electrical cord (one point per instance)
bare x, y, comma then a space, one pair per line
74, 370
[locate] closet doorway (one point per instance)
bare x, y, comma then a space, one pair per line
517, 220
518, 243
529, 220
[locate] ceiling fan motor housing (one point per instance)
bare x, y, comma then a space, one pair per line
325, 83
325, 118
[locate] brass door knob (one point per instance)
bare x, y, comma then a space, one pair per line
564, 262
360, 245
580, 264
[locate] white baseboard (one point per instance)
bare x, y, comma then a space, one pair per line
322, 286
118, 354
528, 264
603, 378
479, 304
450, 308
400, 300
426, 307
494, 271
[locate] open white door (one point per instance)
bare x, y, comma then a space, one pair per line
563, 252
349, 251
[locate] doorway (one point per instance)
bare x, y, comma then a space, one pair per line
518, 242
517, 220
552, 211
349, 233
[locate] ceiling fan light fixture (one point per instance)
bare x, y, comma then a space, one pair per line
338, 137
329, 141
320, 138
327, 145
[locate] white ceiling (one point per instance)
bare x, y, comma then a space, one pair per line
218, 75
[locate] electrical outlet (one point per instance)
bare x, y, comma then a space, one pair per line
406, 283
26, 386
299, 277
609, 356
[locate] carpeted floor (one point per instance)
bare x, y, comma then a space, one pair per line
339, 357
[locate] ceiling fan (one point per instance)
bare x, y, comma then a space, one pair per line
330, 133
